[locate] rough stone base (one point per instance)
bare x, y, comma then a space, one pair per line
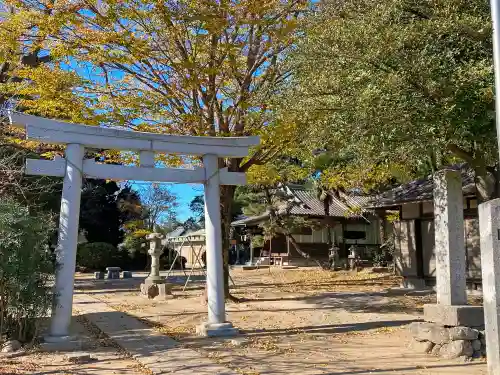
156, 291
79, 358
447, 342
421, 346
216, 330
469, 316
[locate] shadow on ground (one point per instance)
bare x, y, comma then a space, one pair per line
139, 336
330, 328
389, 301
410, 368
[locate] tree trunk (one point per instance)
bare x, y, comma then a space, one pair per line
301, 252
382, 223
326, 210
485, 178
227, 196
486, 183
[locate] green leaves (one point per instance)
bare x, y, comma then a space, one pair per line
26, 269
396, 82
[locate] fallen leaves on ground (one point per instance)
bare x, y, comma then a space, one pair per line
312, 280
287, 314
176, 332
17, 366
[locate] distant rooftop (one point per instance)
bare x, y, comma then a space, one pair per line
179, 231
178, 234
422, 189
308, 204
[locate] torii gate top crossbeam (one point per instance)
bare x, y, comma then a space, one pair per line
52, 131
58, 132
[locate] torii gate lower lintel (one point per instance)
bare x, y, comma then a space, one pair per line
73, 167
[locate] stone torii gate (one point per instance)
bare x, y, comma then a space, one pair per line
73, 167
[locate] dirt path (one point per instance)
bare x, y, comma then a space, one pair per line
108, 359
297, 322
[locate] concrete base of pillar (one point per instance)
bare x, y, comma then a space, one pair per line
61, 344
216, 330
413, 283
452, 316
156, 290
56, 339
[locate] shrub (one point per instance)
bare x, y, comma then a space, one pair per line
137, 250
26, 269
99, 255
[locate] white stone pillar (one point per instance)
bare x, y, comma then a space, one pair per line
213, 233
67, 242
449, 238
216, 324
489, 227
147, 159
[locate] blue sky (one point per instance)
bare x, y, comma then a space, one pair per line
185, 193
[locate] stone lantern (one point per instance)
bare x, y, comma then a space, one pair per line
353, 256
155, 285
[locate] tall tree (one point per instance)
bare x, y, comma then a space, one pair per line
99, 213
177, 66
190, 224
169, 225
403, 86
31, 80
197, 207
158, 204
105, 211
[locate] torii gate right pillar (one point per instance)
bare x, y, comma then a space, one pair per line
216, 324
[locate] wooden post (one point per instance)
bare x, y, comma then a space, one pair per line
251, 250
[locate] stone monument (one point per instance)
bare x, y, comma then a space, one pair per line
451, 308
155, 286
489, 226
451, 328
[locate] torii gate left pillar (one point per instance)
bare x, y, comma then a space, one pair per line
74, 167
67, 243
